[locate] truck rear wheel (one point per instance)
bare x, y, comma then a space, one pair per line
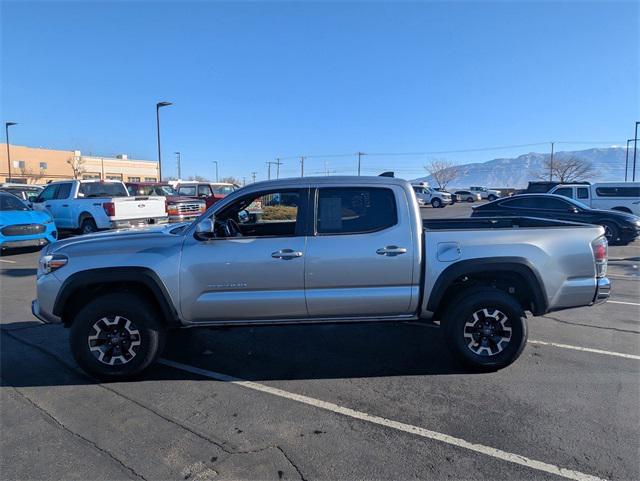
436, 203
486, 328
88, 226
116, 336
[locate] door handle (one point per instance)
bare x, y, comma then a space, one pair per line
65, 205
286, 254
48, 206
391, 251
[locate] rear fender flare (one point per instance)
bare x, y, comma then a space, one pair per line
517, 265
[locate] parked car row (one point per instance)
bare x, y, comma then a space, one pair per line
619, 227
32, 215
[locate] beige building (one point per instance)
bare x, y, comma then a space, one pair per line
38, 166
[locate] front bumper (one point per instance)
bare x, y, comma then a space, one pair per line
43, 316
603, 290
24, 243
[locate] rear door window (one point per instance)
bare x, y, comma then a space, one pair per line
63, 191
583, 192
355, 210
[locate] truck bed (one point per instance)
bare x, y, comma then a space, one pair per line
495, 223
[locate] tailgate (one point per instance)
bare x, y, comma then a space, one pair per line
140, 207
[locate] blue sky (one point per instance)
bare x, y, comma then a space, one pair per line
254, 81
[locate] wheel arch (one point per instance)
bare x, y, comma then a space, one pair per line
83, 285
622, 208
516, 275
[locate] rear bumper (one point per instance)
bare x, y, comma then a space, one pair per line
127, 223
603, 290
184, 218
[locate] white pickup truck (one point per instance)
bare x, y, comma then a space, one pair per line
92, 205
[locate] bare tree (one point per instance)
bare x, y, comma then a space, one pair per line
198, 178
566, 170
443, 172
231, 180
77, 166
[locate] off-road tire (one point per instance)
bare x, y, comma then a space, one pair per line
143, 320
483, 300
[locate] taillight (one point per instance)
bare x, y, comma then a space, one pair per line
600, 248
109, 208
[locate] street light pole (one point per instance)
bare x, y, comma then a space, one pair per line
6, 128
159, 105
216, 162
302, 166
178, 162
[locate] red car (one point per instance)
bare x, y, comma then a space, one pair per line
179, 208
210, 192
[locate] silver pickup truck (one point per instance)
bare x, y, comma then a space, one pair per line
324, 250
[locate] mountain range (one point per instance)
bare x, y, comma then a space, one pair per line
608, 166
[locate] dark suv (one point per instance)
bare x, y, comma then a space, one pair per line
179, 208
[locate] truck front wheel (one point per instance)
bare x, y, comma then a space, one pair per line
436, 203
486, 328
116, 336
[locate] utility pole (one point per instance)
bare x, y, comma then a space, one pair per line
551, 163
178, 160
635, 150
102, 166
244, 181
216, 162
6, 127
360, 154
253, 176
278, 164
626, 160
302, 166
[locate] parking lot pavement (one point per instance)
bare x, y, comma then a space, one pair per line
328, 402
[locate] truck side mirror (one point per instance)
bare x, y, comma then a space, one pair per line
205, 229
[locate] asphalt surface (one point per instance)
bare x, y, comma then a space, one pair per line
328, 402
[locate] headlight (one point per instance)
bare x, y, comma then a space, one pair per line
52, 262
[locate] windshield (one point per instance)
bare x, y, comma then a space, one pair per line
11, 202
103, 189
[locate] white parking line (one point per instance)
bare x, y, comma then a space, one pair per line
8, 262
585, 349
407, 428
609, 301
